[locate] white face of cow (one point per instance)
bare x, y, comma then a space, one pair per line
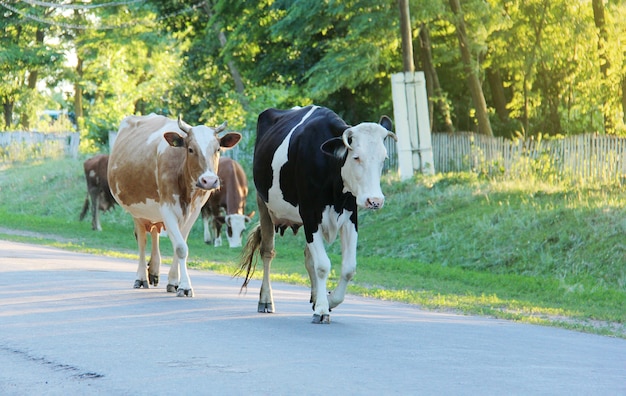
365, 158
203, 150
205, 147
235, 225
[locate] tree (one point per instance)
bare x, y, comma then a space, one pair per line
436, 93
339, 54
478, 98
551, 66
24, 59
124, 66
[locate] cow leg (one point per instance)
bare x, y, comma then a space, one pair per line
85, 206
180, 249
349, 237
178, 282
155, 258
217, 231
95, 207
310, 267
266, 296
178, 237
207, 230
321, 264
142, 268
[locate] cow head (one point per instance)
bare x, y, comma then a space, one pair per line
235, 225
363, 154
203, 147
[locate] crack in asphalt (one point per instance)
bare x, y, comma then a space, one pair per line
78, 373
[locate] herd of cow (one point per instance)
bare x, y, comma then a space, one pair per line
310, 170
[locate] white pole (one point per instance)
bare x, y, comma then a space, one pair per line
401, 121
425, 146
410, 108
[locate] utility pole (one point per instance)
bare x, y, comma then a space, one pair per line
410, 108
407, 37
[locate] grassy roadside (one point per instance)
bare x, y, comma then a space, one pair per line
550, 254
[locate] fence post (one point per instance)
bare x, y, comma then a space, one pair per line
73, 142
410, 109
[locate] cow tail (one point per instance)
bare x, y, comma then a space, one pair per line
85, 208
248, 256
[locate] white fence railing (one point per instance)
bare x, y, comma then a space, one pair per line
25, 145
589, 157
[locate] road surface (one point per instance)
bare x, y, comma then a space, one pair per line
71, 323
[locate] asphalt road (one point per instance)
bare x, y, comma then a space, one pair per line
72, 324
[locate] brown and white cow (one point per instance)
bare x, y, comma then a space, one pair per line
97, 189
231, 196
162, 172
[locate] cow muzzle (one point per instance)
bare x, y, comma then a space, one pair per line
374, 203
208, 182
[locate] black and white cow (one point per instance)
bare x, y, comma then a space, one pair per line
312, 169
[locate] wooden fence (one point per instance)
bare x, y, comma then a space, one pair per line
589, 157
15, 146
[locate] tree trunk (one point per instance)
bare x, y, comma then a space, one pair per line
78, 92
603, 35
476, 90
234, 71
7, 110
598, 18
497, 93
624, 98
78, 89
33, 76
432, 81
421, 64
407, 36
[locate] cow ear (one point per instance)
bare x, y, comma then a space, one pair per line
386, 123
230, 139
220, 219
174, 139
334, 147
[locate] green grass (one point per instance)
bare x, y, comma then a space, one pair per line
526, 250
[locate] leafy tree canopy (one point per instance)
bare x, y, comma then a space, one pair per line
545, 66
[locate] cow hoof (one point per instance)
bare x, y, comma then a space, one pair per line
154, 279
172, 288
266, 307
184, 293
323, 319
139, 284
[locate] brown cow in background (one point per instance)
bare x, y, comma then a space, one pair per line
231, 196
97, 189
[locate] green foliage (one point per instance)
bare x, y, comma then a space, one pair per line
24, 56
124, 71
224, 60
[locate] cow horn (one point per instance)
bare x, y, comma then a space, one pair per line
183, 125
347, 134
392, 135
221, 127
